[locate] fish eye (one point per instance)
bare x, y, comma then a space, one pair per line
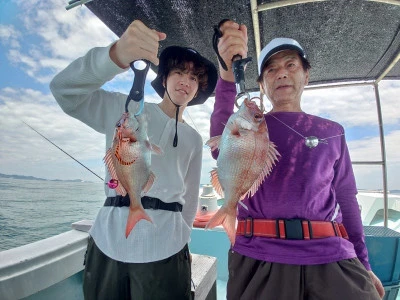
258, 116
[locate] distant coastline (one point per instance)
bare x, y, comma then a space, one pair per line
396, 192
36, 178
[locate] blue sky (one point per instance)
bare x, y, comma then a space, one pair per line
40, 38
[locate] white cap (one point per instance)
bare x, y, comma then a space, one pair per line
275, 46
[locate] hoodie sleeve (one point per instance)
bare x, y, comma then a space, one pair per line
77, 88
225, 93
346, 191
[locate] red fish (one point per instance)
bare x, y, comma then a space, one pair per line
128, 160
246, 157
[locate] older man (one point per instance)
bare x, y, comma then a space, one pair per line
300, 236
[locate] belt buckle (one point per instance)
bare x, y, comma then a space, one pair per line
293, 229
250, 233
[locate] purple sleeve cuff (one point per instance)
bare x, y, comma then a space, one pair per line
225, 93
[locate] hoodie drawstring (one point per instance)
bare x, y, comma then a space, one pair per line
175, 143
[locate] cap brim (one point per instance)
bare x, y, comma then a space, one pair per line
277, 49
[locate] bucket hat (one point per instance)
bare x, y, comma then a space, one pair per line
186, 54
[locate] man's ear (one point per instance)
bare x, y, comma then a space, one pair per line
261, 88
307, 78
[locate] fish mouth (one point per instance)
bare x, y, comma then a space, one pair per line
255, 111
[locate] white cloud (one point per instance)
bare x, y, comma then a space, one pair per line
9, 36
23, 149
48, 37
52, 37
354, 106
367, 150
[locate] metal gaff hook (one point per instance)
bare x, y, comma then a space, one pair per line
262, 108
137, 91
238, 65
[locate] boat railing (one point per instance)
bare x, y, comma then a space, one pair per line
52, 268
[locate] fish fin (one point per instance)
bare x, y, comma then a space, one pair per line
215, 182
154, 148
108, 160
272, 152
213, 142
269, 163
149, 182
135, 215
111, 169
227, 218
120, 189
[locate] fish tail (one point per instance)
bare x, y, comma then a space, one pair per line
135, 215
227, 218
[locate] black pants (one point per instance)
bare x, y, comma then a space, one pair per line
251, 279
108, 279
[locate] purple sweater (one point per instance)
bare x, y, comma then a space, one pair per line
305, 183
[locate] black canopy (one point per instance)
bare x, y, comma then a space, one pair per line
346, 40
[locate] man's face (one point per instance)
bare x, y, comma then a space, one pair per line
182, 84
283, 80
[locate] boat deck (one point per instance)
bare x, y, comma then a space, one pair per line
52, 268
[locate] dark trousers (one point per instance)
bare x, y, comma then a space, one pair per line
251, 279
108, 279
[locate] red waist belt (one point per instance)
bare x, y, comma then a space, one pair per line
291, 229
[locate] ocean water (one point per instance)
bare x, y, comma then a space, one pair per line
31, 210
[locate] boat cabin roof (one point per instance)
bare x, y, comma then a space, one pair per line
345, 40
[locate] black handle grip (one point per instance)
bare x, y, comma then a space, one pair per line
137, 91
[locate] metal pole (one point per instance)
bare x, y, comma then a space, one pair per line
391, 66
393, 2
383, 154
283, 3
256, 26
74, 3
338, 85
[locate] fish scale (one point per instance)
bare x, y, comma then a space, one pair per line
128, 161
246, 157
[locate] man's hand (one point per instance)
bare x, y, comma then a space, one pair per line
377, 283
233, 42
137, 42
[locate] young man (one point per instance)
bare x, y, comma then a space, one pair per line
153, 262
291, 242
